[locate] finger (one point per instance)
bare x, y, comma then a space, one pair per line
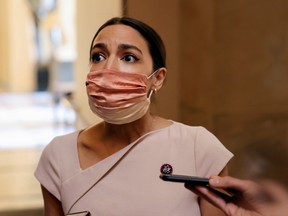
206, 194
276, 191
248, 194
233, 183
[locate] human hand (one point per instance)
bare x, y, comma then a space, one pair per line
251, 199
279, 199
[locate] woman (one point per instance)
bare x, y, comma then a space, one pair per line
112, 168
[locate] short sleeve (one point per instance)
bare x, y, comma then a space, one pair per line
47, 171
210, 154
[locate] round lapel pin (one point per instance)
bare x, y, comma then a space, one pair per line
166, 169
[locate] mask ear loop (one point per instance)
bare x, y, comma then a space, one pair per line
152, 90
153, 73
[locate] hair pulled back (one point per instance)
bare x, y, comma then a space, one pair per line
155, 44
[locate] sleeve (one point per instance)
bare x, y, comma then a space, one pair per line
211, 156
48, 170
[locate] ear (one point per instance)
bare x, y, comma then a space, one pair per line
158, 79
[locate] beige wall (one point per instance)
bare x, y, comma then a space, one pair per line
90, 15
17, 55
4, 51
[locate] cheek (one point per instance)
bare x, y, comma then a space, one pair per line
150, 83
149, 65
94, 67
140, 69
144, 66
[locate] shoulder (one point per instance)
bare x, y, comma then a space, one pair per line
188, 130
51, 167
52, 162
60, 145
186, 136
210, 155
198, 136
63, 141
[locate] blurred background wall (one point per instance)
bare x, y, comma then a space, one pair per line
44, 46
227, 61
228, 69
17, 49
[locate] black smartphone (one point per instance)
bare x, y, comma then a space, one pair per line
84, 213
185, 179
198, 181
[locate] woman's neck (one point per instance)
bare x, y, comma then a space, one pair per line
131, 131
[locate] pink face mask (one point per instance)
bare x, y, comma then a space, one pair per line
118, 97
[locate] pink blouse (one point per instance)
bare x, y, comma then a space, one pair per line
127, 182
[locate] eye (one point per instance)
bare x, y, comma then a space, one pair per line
97, 57
130, 58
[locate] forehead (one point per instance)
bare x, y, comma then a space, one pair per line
121, 34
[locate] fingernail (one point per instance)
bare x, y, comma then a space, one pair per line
215, 181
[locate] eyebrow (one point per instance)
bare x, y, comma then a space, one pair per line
129, 46
120, 47
99, 45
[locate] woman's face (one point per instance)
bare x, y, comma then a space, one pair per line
122, 48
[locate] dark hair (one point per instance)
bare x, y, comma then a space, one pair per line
154, 41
